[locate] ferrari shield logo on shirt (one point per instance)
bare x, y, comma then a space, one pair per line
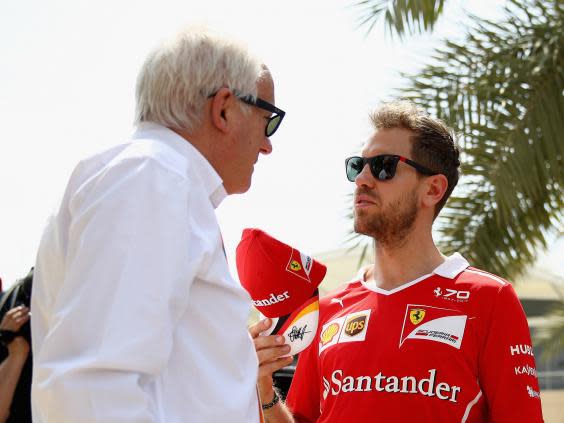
417, 315
441, 325
300, 264
349, 328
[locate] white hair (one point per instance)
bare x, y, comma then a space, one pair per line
178, 76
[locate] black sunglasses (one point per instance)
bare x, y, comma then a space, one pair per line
273, 121
383, 166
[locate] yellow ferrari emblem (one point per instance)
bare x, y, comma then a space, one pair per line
416, 315
296, 267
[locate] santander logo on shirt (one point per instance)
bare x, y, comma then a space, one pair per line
340, 383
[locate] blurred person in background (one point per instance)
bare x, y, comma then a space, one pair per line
15, 357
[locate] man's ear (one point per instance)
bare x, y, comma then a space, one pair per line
435, 189
219, 107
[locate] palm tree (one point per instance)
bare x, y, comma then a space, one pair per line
502, 89
402, 16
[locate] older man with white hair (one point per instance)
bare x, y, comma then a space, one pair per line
135, 315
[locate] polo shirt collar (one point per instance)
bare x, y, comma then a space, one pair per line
211, 181
452, 266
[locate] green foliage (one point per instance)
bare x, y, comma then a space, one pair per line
401, 16
551, 337
502, 90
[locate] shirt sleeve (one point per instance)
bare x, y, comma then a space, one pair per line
507, 371
131, 261
303, 396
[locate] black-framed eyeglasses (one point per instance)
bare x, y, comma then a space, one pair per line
383, 166
273, 121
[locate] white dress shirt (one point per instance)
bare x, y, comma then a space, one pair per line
135, 315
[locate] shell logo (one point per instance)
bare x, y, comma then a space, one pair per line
329, 333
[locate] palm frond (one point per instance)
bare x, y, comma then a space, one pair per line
504, 96
401, 16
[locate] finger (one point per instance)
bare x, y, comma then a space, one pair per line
24, 311
11, 316
272, 366
271, 354
9, 320
12, 311
262, 342
259, 327
22, 319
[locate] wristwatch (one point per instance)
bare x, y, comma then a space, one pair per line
271, 403
6, 336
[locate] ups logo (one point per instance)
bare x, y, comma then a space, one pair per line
355, 325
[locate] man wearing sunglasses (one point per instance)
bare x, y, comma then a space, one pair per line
135, 315
416, 336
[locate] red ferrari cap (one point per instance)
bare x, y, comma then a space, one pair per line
279, 278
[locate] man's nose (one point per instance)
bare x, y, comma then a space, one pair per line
365, 178
266, 147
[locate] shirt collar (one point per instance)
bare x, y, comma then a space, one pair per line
452, 266
212, 182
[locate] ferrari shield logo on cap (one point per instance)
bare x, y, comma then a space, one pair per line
300, 265
295, 266
416, 315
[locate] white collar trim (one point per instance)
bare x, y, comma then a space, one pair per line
450, 268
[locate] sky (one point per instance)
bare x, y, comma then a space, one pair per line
67, 81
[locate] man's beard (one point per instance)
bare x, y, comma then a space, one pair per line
388, 226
